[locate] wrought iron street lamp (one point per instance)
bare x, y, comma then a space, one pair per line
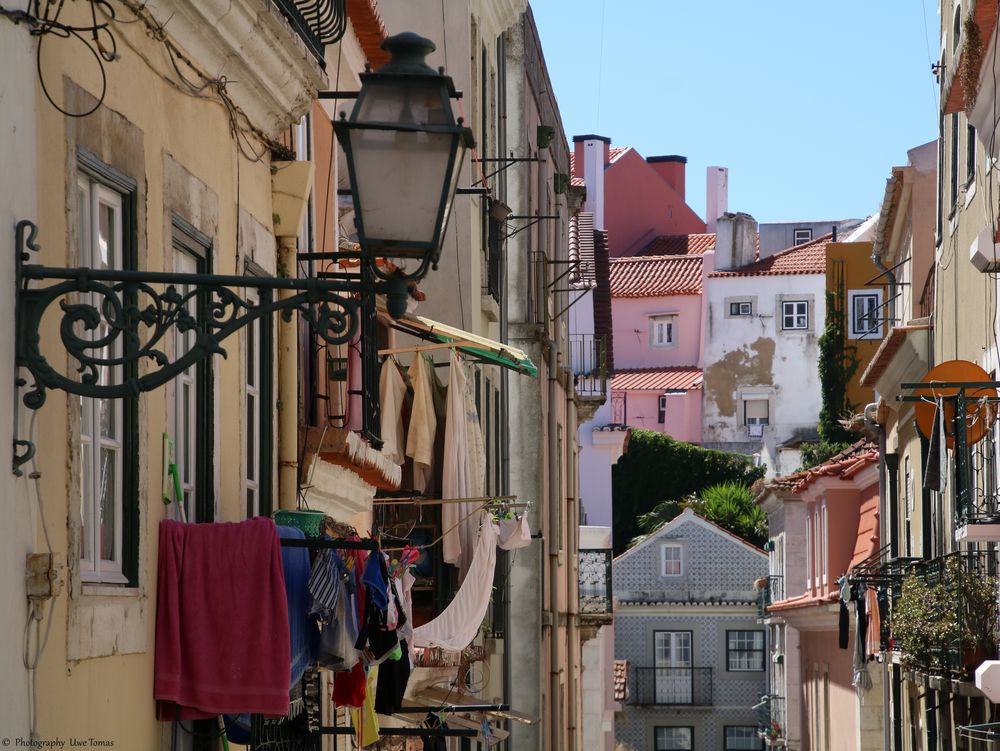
404, 149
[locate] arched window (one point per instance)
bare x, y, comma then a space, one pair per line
956, 28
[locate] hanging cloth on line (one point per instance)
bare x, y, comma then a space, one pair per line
457, 625
423, 423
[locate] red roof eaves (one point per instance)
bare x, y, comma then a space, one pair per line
370, 30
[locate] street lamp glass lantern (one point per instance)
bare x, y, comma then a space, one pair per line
404, 150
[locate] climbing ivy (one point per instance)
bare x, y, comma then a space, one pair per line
838, 362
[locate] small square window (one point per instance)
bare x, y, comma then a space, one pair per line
744, 651
866, 314
661, 409
740, 309
673, 564
795, 315
802, 235
661, 331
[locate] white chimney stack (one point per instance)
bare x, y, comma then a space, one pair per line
717, 183
595, 159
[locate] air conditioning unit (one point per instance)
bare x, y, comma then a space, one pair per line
755, 430
984, 253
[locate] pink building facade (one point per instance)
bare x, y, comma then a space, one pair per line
827, 518
642, 198
657, 313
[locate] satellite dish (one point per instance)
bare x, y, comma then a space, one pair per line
979, 415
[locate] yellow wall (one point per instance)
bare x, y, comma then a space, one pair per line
111, 697
851, 264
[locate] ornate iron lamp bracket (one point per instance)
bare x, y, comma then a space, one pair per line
114, 321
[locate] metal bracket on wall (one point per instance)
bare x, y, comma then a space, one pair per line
113, 319
506, 162
535, 219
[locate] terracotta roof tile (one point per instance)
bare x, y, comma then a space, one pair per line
620, 680
369, 29
656, 379
653, 276
809, 258
846, 464
679, 245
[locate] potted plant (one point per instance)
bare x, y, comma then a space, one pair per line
977, 591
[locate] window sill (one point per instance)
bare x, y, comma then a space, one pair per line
93, 589
970, 192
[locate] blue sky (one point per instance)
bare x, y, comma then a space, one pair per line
809, 104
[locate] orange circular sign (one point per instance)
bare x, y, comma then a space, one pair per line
979, 414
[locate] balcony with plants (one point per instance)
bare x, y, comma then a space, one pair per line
944, 621
771, 719
769, 589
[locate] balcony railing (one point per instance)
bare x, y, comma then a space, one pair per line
588, 362
771, 716
595, 582
317, 22
944, 620
772, 590
671, 687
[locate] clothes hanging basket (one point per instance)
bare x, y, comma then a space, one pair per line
310, 522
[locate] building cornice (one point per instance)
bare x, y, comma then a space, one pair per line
271, 75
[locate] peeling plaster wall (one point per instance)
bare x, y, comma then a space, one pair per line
750, 356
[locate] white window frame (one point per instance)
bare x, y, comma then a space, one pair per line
746, 733
858, 330
661, 409
810, 544
794, 315
824, 542
819, 564
657, 737
745, 651
186, 396
680, 559
802, 235
92, 195
740, 309
756, 420
663, 331
252, 377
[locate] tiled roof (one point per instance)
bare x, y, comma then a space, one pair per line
845, 465
620, 680
809, 258
679, 245
603, 324
369, 29
653, 276
656, 379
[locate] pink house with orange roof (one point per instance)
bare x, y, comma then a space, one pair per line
823, 525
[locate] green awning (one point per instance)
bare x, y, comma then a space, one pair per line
480, 347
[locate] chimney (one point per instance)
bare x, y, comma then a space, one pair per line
718, 195
593, 152
735, 241
671, 168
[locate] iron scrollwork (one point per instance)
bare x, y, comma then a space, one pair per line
119, 319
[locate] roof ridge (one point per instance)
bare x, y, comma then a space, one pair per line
667, 257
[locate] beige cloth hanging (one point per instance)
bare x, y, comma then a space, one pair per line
392, 389
423, 424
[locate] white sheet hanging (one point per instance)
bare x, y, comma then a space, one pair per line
456, 626
423, 424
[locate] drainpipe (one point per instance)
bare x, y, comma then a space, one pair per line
573, 561
872, 424
555, 544
288, 386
